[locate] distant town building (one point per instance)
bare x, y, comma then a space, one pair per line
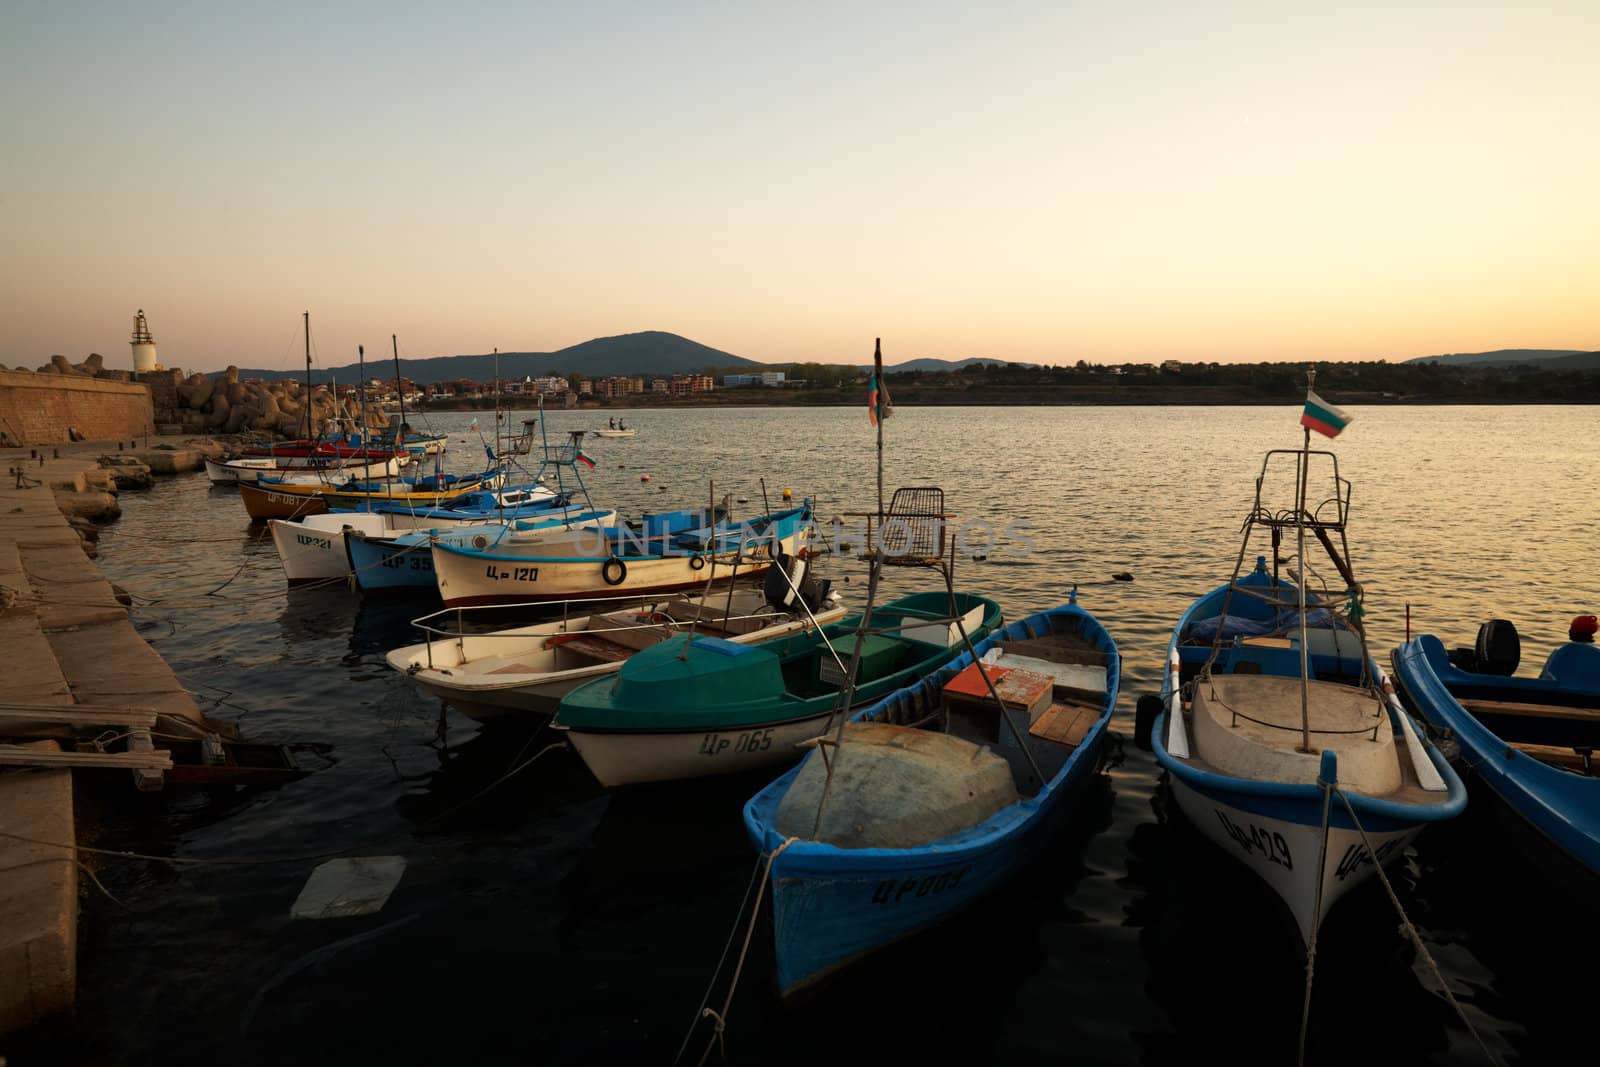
1172, 366
688, 384
734, 381
660, 385
585, 388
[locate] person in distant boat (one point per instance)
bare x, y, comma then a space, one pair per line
621, 425
613, 423
1583, 629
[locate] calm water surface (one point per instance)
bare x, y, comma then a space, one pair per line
547, 921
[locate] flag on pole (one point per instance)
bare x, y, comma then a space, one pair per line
581, 458
878, 404
1323, 417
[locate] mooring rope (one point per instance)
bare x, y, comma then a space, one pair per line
1416, 938
719, 1019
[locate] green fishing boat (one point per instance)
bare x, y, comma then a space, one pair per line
705, 705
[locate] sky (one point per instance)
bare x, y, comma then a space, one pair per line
1044, 182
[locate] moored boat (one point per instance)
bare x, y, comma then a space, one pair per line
617, 560
1530, 742
405, 560
710, 706
526, 670
1279, 741
935, 794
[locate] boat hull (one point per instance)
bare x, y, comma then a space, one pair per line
1281, 845
262, 503
1562, 808
248, 471
833, 906
618, 759
312, 550
470, 579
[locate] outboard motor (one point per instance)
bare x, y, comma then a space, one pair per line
813, 591
1498, 650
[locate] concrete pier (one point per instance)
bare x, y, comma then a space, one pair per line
68, 642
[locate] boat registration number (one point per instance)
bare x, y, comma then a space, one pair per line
751, 741
410, 562
515, 574
891, 890
324, 543
1269, 843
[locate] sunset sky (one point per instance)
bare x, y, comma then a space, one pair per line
1034, 181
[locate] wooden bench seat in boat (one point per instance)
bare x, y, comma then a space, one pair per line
1538, 711
1566, 758
1065, 723
595, 647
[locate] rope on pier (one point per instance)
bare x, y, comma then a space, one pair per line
719, 1019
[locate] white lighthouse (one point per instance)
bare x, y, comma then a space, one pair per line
144, 346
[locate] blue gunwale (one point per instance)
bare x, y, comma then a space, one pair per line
787, 524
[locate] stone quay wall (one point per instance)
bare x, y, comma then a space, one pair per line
48, 409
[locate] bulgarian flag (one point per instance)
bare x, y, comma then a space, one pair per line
878, 403
1323, 417
585, 459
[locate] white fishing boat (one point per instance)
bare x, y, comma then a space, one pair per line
528, 669
616, 561
1280, 735
248, 471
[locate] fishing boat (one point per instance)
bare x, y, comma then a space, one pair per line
405, 561
616, 433
1530, 742
935, 794
357, 465
491, 676
1278, 736
273, 499
707, 705
312, 548
660, 557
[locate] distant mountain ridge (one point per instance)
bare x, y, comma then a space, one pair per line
943, 364
1549, 358
653, 352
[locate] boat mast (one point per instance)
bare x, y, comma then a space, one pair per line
400, 391
877, 381
307, 316
1300, 586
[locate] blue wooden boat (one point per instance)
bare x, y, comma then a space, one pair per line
936, 798
405, 561
1274, 717
1529, 741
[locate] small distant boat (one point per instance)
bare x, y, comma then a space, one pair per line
616, 433
1529, 741
1276, 733
527, 670
935, 794
718, 707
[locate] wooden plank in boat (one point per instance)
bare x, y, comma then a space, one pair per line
1566, 758
77, 715
1537, 711
1065, 723
1060, 647
597, 648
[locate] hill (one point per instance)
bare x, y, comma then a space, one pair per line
653, 352
1504, 357
942, 365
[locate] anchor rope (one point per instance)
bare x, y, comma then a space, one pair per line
1416, 938
719, 1019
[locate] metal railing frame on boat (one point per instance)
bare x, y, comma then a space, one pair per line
923, 527
1300, 519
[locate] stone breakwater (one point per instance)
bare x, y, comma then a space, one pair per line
70, 648
178, 404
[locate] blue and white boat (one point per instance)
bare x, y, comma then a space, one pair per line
659, 557
1282, 740
1529, 741
405, 561
935, 798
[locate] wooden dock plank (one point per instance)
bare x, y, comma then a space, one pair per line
74, 715
17, 756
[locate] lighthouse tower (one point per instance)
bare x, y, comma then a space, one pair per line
144, 346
